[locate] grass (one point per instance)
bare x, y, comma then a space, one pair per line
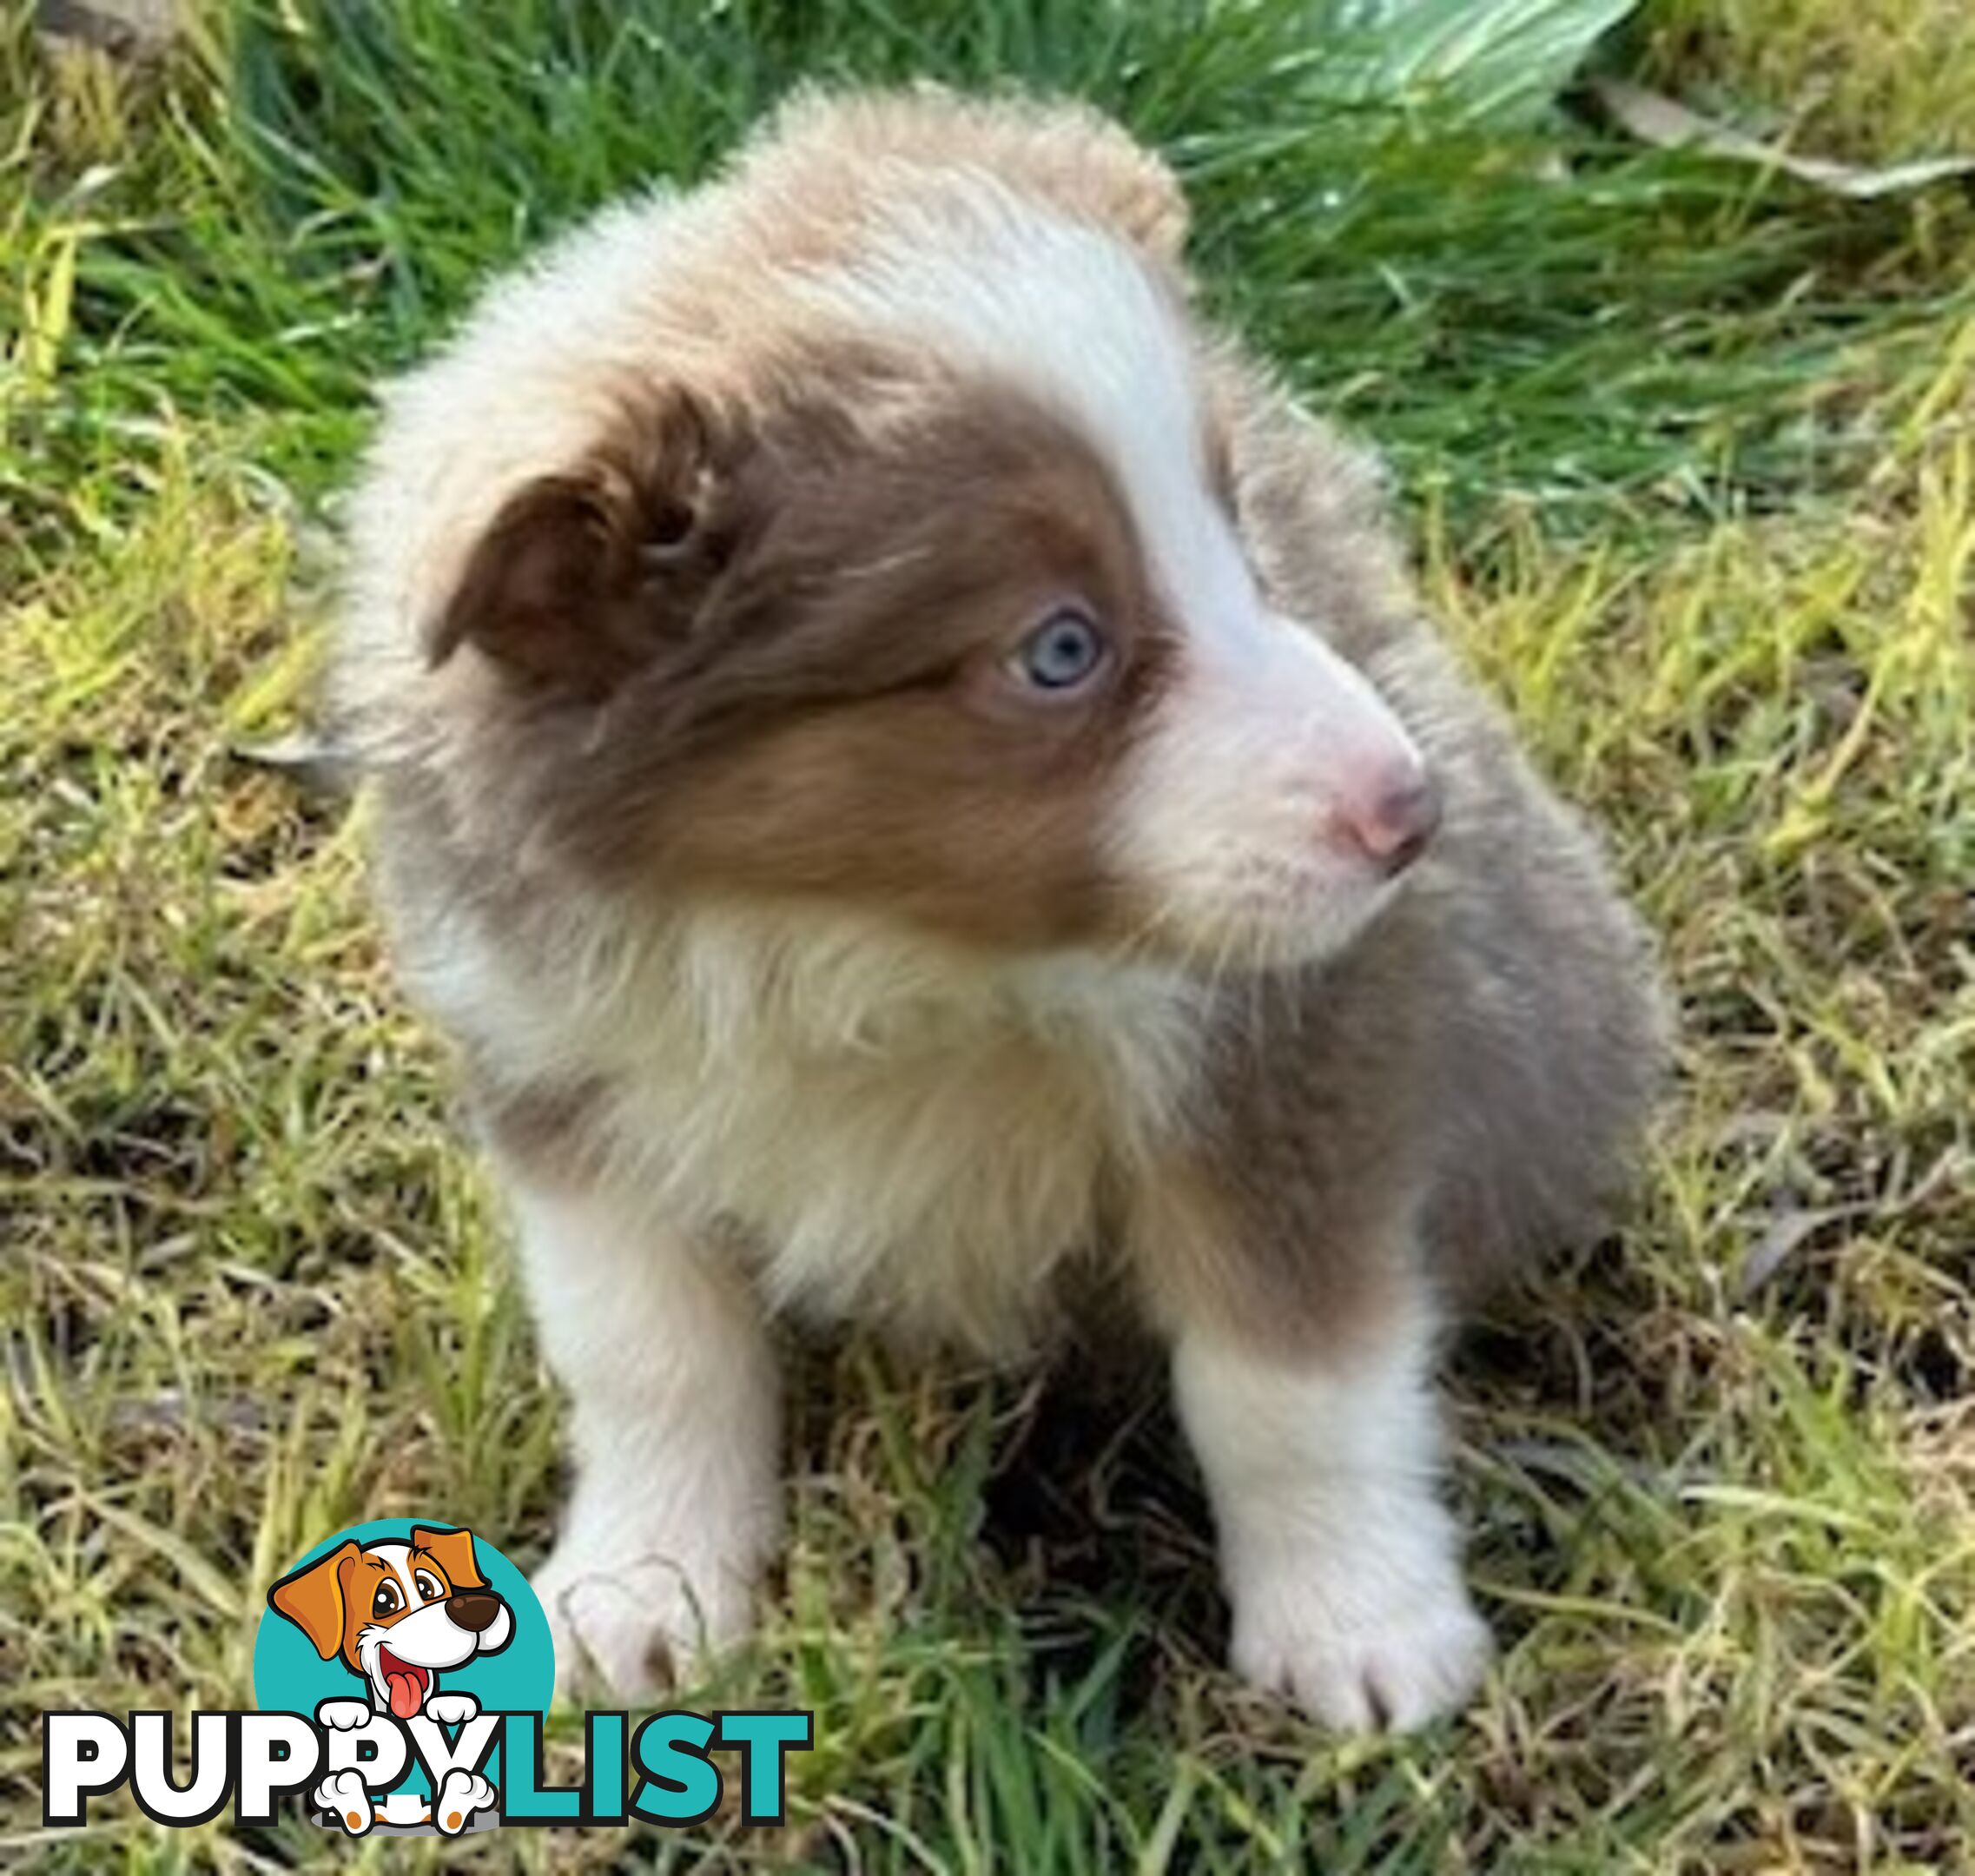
1688, 455
1877, 82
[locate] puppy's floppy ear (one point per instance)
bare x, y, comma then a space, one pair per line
453, 1551
312, 1597
1133, 187
1068, 154
583, 574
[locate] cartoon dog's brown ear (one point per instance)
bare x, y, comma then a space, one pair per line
312, 1598
453, 1552
584, 574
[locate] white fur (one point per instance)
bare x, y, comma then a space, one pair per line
890, 1130
676, 1505
1341, 1564
901, 1132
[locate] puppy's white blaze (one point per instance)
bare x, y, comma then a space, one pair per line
1075, 319
1269, 739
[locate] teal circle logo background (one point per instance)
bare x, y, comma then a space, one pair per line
290, 1677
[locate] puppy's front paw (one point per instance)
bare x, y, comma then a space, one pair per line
1395, 1654
636, 1630
344, 1715
452, 1709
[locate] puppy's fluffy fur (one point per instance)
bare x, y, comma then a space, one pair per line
907, 765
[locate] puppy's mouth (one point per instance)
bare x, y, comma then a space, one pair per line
405, 1682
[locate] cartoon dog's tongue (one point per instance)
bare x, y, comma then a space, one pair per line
405, 1682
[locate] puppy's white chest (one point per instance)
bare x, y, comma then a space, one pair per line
902, 1138
900, 1135
937, 1194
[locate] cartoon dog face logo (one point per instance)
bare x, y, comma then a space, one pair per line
397, 1614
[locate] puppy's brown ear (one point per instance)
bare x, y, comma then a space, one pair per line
312, 1598
1134, 188
1068, 154
582, 575
453, 1552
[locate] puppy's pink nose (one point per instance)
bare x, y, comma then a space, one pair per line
1396, 821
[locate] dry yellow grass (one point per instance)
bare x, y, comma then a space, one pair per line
1873, 79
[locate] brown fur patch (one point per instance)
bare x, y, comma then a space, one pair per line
1290, 1215
809, 171
583, 571
809, 697
552, 1128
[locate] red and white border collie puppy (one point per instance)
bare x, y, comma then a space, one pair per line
907, 765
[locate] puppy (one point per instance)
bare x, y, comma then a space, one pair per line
911, 771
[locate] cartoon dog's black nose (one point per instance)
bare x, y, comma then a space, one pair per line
472, 1608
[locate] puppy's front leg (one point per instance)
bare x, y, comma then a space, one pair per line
1341, 1563
674, 1409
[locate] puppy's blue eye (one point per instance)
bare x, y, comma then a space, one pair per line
1065, 650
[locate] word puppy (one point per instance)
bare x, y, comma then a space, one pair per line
908, 766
